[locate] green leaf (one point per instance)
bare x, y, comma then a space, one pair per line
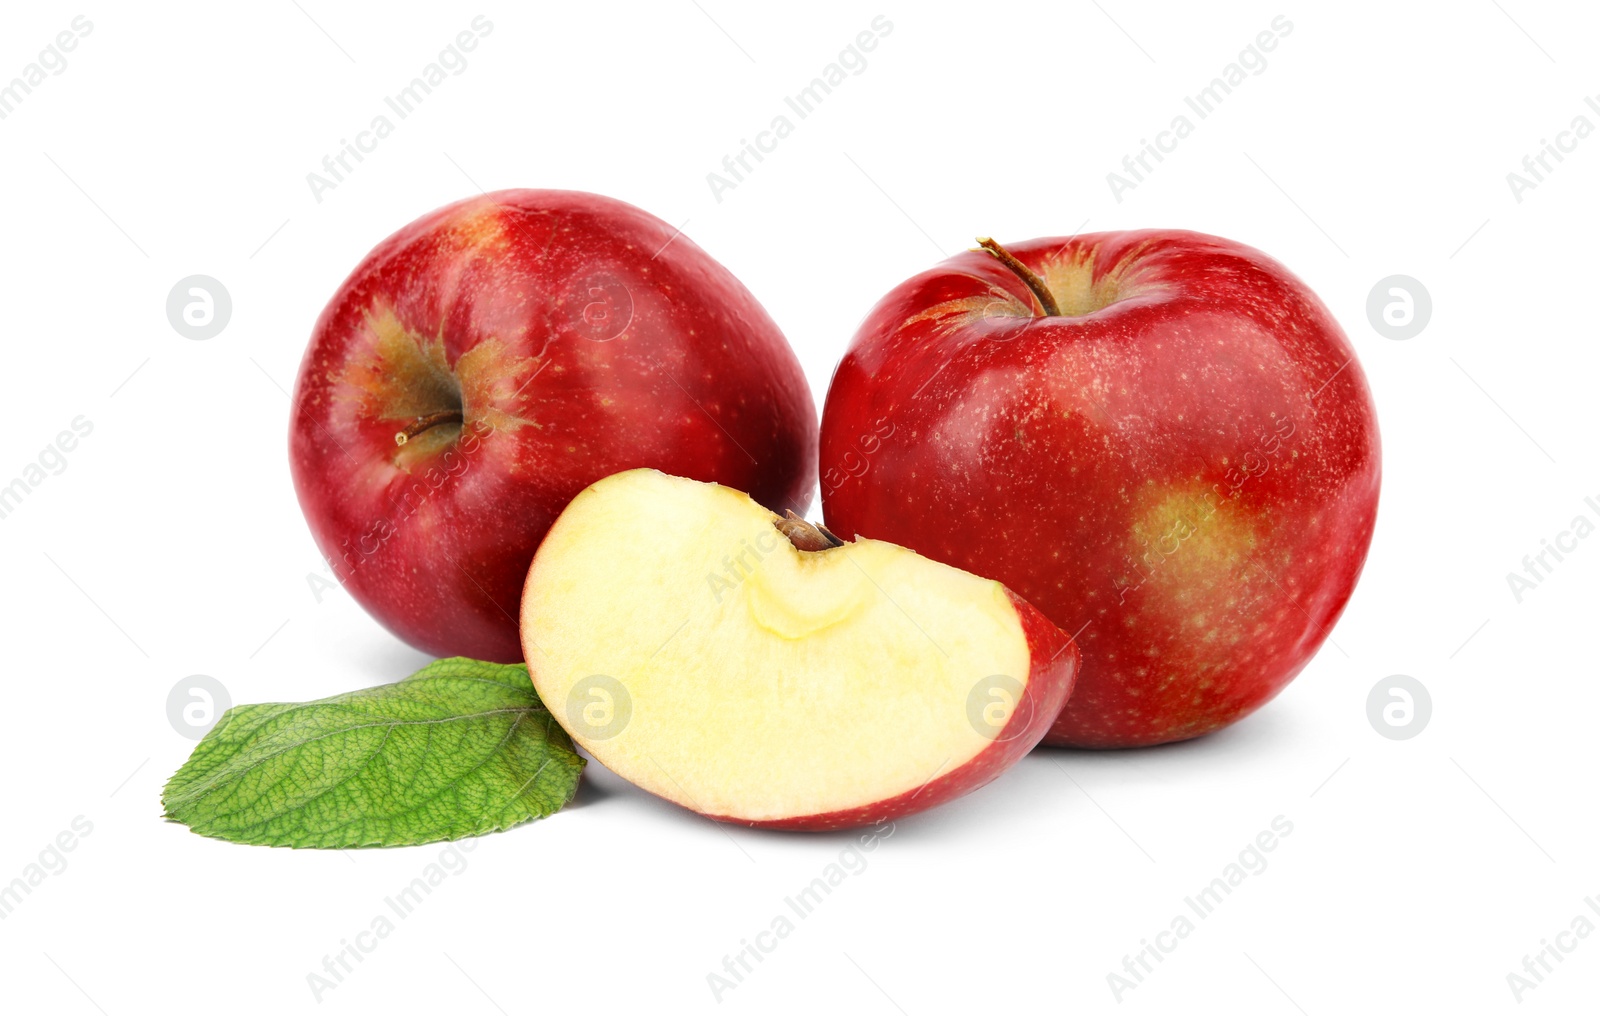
457, 749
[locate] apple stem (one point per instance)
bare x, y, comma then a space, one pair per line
1023, 272
428, 422
805, 535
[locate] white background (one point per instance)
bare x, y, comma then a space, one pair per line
1377, 141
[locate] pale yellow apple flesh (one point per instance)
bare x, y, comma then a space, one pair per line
692, 648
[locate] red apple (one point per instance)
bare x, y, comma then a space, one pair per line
757, 670
1160, 439
489, 361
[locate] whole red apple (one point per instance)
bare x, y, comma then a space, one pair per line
1160, 439
492, 359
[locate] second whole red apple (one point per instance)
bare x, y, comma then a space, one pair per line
1161, 439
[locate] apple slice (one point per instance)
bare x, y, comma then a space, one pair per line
758, 670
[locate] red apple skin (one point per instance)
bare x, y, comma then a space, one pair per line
1054, 666
1185, 477
579, 336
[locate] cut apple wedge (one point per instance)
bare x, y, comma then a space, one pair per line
755, 669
